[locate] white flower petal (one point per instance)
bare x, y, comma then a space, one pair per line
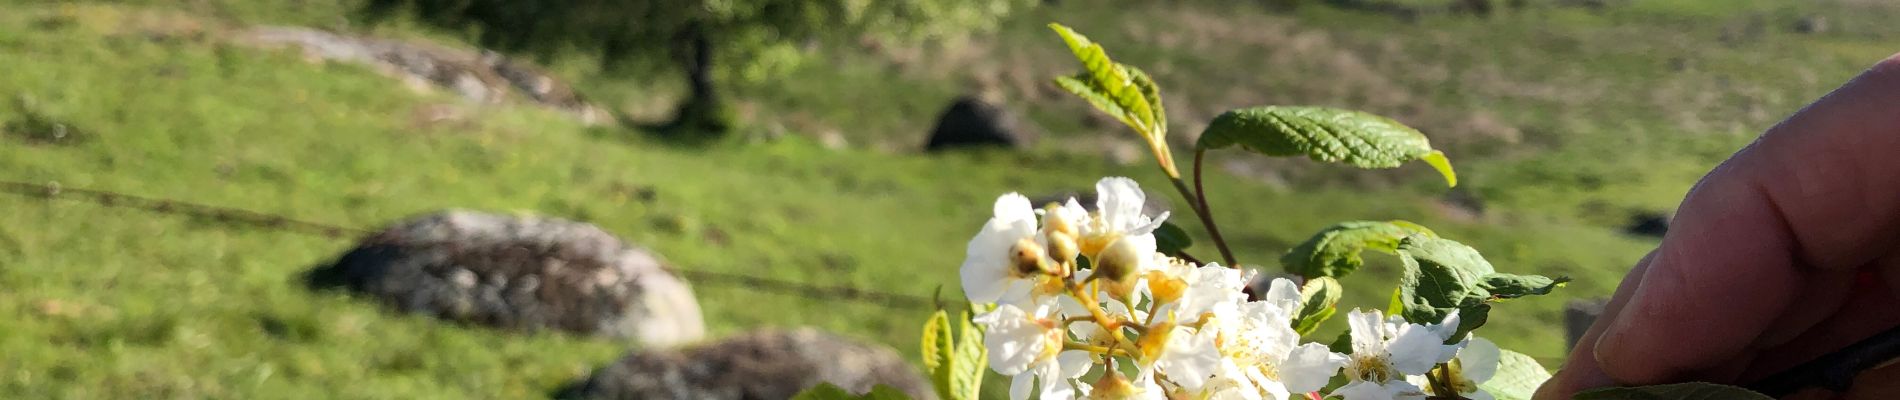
983, 283
1211, 289
1021, 385
1014, 207
1120, 200
986, 266
1054, 385
1414, 350
1014, 341
1190, 358
1272, 389
1284, 294
1074, 363
1479, 395
1446, 328
1364, 390
1368, 330
1479, 360
1309, 367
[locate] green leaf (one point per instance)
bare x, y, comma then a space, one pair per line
1510, 286
1341, 344
1440, 276
1324, 134
1170, 239
938, 348
972, 358
1438, 161
1334, 251
1317, 299
1469, 319
1119, 90
1674, 391
828, 391
1517, 378
1152, 93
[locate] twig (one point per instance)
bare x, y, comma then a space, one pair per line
1197, 199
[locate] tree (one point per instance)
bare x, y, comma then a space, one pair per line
708, 40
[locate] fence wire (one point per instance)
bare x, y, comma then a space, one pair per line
246, 218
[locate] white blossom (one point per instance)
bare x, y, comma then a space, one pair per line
1027, 346
1475, 364
988, 271
1385, 351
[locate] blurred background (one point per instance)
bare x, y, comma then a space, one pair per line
247, 199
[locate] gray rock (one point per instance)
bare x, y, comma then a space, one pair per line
972, 122
520, 273
480, 76
771, 364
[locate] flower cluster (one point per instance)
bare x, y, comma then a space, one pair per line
1085, 306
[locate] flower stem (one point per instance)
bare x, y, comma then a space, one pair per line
1094, 349
1197, 200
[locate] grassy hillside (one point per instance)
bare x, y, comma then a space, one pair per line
1562, 120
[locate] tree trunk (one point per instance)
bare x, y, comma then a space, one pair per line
704, 111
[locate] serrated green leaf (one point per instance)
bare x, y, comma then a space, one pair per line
938, 348
1335, 251
971, 359
1674, 391
1170, 239
1517, 378
1110, 86
1440, 276
1080, 86
1317, 298
1152, 93
1510, 286
1324, 134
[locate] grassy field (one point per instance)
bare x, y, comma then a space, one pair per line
1563, 121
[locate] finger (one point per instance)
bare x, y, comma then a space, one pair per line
1868, 311
1817, 191
1580, 370
1820, 299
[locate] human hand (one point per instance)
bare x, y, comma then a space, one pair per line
1788, 250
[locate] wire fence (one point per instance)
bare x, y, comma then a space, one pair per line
246, 218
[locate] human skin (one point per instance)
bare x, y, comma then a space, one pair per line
1788, 250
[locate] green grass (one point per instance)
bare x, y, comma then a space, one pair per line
1589, 119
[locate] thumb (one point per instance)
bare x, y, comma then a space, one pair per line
1820, 191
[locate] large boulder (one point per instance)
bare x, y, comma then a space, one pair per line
972, 122
520, 273
772, 364
478, 75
